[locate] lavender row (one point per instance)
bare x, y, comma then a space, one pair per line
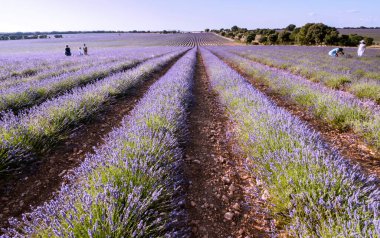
36, 129
33, 92
338, 108
359, 76
316, 59
21, 66
58, 69
16, 67
314, 191
131, 186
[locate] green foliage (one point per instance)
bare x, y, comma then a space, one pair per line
309, 34
263, 39
290, 27
368, 41
366, 90
251, 37
317, 34
337, 82
284, 37
272, 38
234, 28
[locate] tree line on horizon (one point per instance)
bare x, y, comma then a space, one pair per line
309, 34
59, 34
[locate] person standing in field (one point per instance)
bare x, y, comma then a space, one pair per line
80, 51
336, 52
67, 51
85, 50
361, 48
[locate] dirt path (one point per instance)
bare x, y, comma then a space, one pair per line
221, 201
39, 182
348, 144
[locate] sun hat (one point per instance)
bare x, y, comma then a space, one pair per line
362, 41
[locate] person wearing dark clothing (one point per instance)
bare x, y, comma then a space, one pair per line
85, 50
67, 51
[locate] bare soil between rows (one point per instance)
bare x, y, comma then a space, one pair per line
350, 145
219, 190
40, 181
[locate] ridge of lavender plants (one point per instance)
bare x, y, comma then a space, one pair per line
338, 108
359, 76
131, 186
315, 192
55, 69
33, 92
36, 129
16, 67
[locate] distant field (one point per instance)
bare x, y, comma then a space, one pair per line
106, 41
374, 33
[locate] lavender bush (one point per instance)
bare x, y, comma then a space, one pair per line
314, 191
33, 92
340, 109
36, 129
56, 69
355, 74
130, 186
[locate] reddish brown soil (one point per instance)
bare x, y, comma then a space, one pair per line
41, 180
221, 201
348, 144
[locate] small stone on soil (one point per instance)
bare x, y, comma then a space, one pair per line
228, 216
196, 161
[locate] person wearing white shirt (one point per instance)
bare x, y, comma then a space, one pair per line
361, 48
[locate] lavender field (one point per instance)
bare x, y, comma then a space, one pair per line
187, 135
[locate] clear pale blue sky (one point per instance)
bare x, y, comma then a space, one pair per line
48, 15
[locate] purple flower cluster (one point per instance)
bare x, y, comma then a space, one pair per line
37, 128
32, 92
20, 66
194, 39
353, 73
131, 186
56, 68
314, 191
315, 59
338, 108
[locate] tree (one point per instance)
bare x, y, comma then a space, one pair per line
291, 27
251, 37
316, 34
234, 28
294, 34
344, 40
272, 38
230, 35
301, 36
368, 41
332, 38
355, 39
263, 39
284, 37
207, 30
